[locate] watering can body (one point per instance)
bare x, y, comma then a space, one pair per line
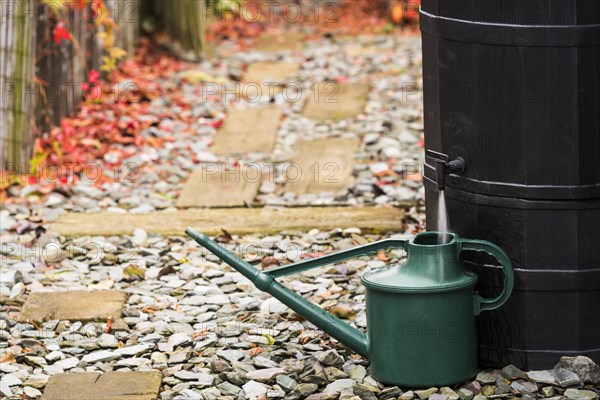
420, 315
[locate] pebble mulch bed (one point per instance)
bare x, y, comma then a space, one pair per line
214, 335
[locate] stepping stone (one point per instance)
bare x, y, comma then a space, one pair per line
322, 165
275, 73
74, 306
240, 221
248, 131
213, 186
279, 42
361, 50
106, 386
335, 101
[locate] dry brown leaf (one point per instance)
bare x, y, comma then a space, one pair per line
343, 311
256, 351
169, 269
109, 322
8, 358
381, 256
200, 334
266, 262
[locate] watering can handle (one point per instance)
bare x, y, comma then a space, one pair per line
482, 304
367, 249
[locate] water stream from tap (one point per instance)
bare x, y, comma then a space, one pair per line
442, 218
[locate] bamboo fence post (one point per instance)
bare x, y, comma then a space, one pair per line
183, 20
126, 14
17, 90
64, 66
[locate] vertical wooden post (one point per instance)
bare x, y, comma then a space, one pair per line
64, 65
16, 87
126, 14
183, 20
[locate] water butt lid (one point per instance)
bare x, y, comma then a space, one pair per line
432, 265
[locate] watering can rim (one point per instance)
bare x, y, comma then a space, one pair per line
471, 280
454, 238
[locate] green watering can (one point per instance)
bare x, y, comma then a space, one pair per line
420, 315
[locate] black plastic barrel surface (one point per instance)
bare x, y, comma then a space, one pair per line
513, 87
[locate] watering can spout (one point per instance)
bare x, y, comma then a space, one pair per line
265, 281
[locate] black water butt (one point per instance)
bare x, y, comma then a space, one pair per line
513, 87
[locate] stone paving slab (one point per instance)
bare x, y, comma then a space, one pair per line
76, 305
336, 101
260, 72
270, 77
235, 220
279, 42
205, 188
321, 165
106, 386
248, 131
362, 50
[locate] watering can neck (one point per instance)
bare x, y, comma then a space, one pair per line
429, 267
438, 262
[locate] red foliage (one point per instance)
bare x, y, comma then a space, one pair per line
60, 32
412, 12
94, 76
345, 17
111, 119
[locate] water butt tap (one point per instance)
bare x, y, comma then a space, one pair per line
444, 166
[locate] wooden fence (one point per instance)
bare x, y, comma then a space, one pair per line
40, 78
17, 44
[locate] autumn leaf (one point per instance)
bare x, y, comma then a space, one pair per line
93, 76
304, 340
256, 351
169, 269
117, 53
381, 256
225, 237
108, 40
133, 272
108, 64
343, 311
60, 32
150, 309
312, 255
8, 358
56, 146
268, 261
270, 338
109, 322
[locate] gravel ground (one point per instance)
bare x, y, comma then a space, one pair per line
213, 335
